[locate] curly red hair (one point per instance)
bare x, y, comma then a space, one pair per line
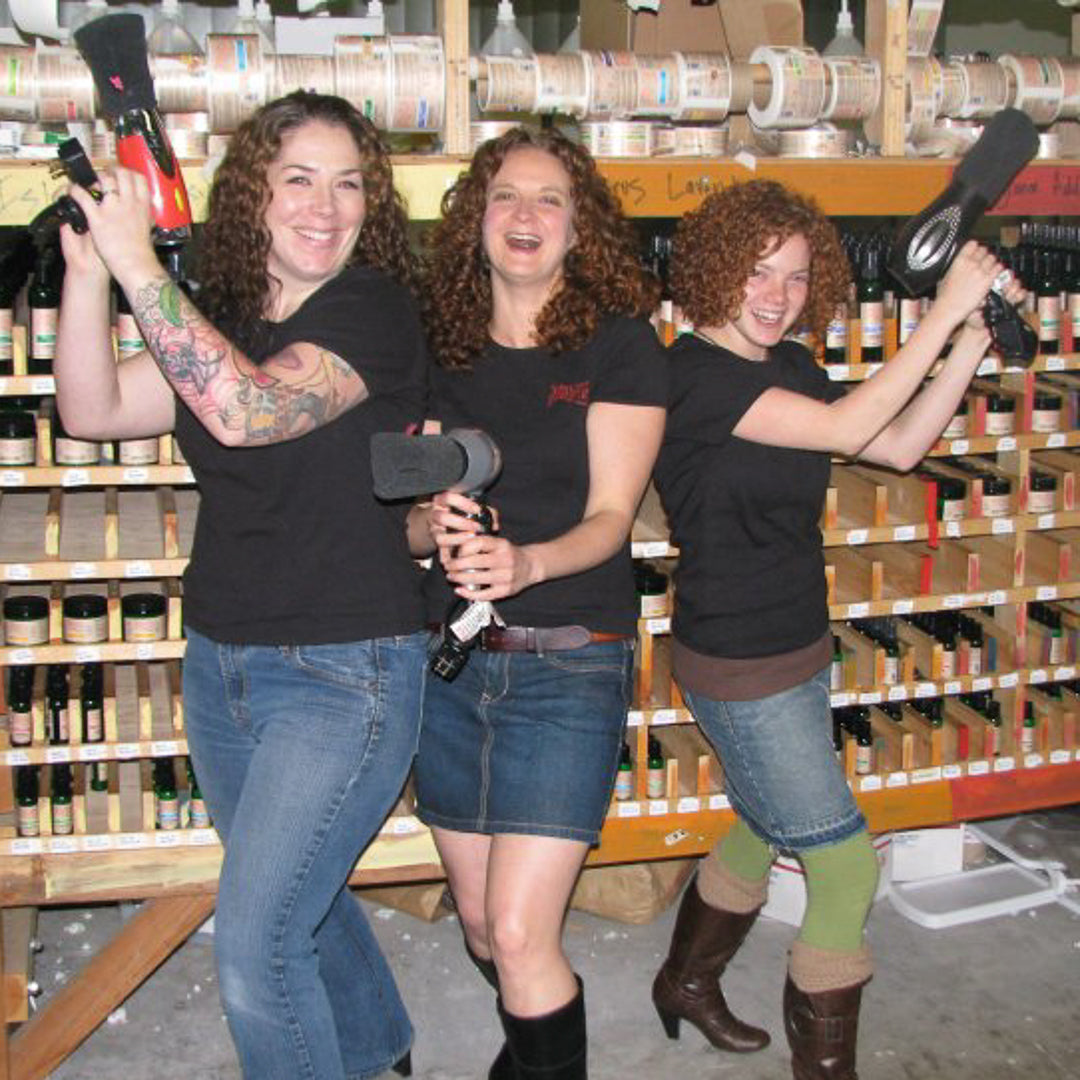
602, 272
717, 245
235, 285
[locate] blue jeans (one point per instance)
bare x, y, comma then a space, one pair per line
301, 752
781, 771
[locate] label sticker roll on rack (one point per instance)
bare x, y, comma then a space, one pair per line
657, 85
690, 140
362, 69
618, 138
923, 21
1040, 85
1070, 99
562, 84
417, 82
797, 97
612, 83
704, 86
507, 84
922, 99
854, 87
820, 141
986, 89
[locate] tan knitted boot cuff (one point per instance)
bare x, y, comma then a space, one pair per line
815, 970
720, 888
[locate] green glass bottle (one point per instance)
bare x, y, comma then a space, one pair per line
624, 777
655, 774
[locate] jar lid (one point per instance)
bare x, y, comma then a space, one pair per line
1041, 481
17, 425
1000, 403
996, 485
26, 607
143, 604
84, 606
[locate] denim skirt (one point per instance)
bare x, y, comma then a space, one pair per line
781, 772
525, 742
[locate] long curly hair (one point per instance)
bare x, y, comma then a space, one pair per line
235, 284
602, 272
717, 245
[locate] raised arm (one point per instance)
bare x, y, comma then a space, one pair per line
238, 402
623, 443
865, 421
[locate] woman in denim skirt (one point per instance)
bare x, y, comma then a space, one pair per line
538, 328
302, 607
742, 475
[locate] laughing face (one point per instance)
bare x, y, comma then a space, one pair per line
315, 212
528, 223
775, 295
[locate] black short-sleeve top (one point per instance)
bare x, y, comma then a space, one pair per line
750, 580
534, 404
291, 546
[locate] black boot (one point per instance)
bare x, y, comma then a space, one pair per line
485, 967
687, 987
403, 1066
549, 1047
822, 1030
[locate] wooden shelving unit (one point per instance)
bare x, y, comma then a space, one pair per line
176, 872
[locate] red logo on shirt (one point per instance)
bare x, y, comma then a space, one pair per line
572, 393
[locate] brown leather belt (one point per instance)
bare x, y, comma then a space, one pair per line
541, 638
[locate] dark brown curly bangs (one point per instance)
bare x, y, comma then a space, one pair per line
717, 245
602, 273
235, 285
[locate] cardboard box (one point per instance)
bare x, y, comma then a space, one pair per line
735, 27
787, 884
927, 853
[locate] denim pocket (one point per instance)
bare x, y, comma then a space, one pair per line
351, 663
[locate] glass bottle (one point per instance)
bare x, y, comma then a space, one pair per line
166, 799
624, 776
60, 799
16, 261
91, 703
27, 814
1047, 303
1029, 729
43, 298
198, 814
871, 297
655, 774
56, 704
169, 36
20, 699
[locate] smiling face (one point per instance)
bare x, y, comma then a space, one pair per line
315, 212
528, 222
775, 295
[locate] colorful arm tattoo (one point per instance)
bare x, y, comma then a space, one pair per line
224, 389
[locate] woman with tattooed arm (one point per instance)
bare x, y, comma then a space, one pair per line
302, 607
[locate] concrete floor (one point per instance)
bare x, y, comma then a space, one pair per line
994, 1000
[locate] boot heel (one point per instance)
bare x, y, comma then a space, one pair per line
403, 1067
670, 1022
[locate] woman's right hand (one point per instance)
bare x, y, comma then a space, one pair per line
967, 281
80, 254
451, 520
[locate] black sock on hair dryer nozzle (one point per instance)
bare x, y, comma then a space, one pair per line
927, 243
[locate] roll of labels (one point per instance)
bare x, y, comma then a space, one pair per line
628, 104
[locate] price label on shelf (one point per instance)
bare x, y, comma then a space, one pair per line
92, 752
42, 384
203, 837
719, 802
164, 748
1055, 363
87, 654
658, 807
1036, 675
98, 842
1006, 443
903, 607
136, 474
1046, 592
635, 718
129, 841
57, 754
403, 826
904, 532
83, 570
953, 600
663, 716
870, 783
26, 845
12, 478
857, 536
984, 682
1065, 672
127, 750
170, 839
63, 845
870, 697
1004, 764
951, 772
688, 804
926, 689
75, 478
629, 809
17, 572
22, 656
1060, 757
1000, 526
858, 611
927, 775
896, 779
1009, 679
1047, 521
650, 549
978, 768
959, 446
1033, 761
998, 596
953, 687
898, 693
839, 372
952, 529
145, 651
658, 626
1055, 441
137, 568
841, 699
17, 757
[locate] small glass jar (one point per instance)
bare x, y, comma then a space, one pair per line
26, 620
18, 438
85, 619
651, 587
143, 616
1000, 414
996, 500
1045, 411
71, 451
1042, 493
957, 427
951, 494
138, 451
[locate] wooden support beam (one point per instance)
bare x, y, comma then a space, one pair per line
886, 38
453, 24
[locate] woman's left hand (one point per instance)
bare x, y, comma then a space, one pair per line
486, 567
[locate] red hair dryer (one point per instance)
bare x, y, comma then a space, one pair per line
114, 48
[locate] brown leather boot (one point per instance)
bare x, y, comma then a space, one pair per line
687, 987
822, 1029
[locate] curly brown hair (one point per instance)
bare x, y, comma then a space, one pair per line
235, 285
602, 272
717, 245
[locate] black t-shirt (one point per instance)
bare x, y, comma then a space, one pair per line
750, 581
291, 546
534, 405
